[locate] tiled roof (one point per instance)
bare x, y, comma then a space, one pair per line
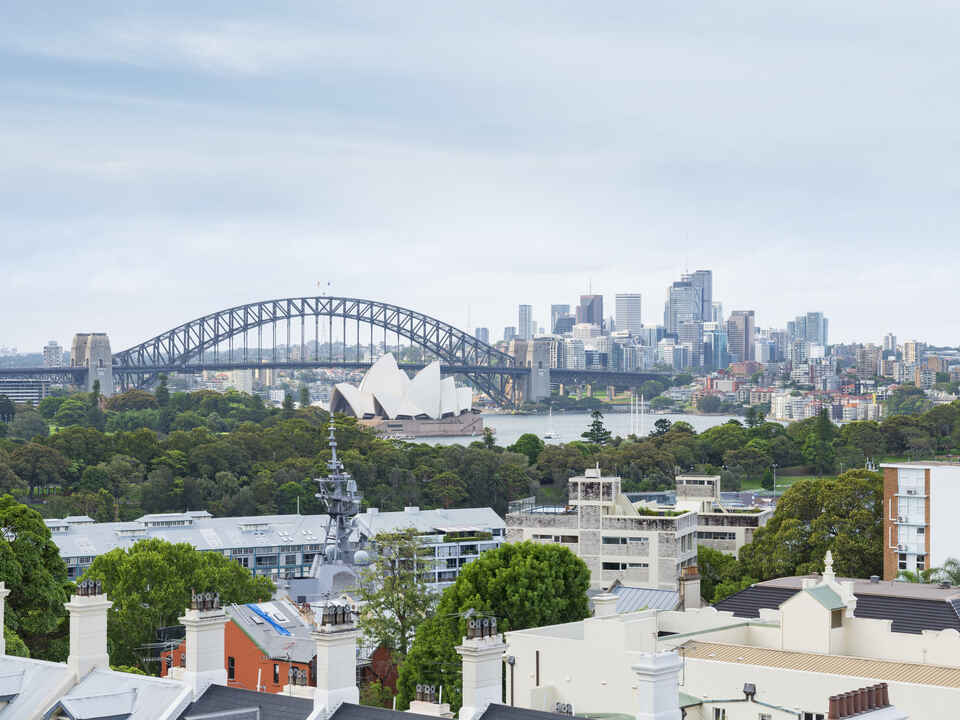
908, 614
271, 706
901, 672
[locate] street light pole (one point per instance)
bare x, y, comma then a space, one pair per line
774, 483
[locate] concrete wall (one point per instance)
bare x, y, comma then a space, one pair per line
805, 691
943, 532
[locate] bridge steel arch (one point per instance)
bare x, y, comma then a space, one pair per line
186, 347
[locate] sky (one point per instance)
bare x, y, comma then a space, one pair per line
161, 161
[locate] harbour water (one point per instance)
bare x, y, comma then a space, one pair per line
569, 426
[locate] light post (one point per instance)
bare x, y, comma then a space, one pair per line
774, 483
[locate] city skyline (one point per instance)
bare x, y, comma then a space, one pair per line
164, 164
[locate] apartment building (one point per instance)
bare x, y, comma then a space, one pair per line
618, 539
719, 527
920, 529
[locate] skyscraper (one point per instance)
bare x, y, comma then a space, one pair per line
557, 312
740, 332
684, 304
690, 335
52, 354
890, 343
811, 327
590, 310
628, 315
703, 279
482, 334
509, 333
525, 323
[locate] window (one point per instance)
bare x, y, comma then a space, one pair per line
613, 566
921, 562
902, 561
290, 560
614, 540
276, 674
921, 531
836, 618
719, 714
231, 668
765, 716
812, 716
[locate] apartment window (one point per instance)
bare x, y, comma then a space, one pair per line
836, 618
812, 716
290, 560
719, 714
902, 561
276, 673
921, 562
613, 566
614, 540
231, 668
764, 716
921, 531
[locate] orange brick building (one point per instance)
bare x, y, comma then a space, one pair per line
262, 643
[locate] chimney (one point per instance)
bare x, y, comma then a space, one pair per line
658, 686
605, 605
3, 604
861, 701
204, 646
336, 639
688, 586
88, 628
482, 654
425, 702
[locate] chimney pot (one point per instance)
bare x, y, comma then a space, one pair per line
871, 697
884, 695
834, 712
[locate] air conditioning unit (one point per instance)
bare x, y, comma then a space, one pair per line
901, 548
901, 518
911, 492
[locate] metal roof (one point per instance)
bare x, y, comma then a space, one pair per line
36, 680
201, 531
113, 705
373, 523
285, 636
105, 691
826, 597
901, 672
631, 599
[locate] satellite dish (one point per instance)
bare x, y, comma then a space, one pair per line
361, 557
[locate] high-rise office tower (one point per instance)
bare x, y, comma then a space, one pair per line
702, 279
509, 333
890, 343
717, 309
684, 304
525, 323
740, 332
557, 312
628, 315
590, 310
911, 352
482, 334
690, 335
811, 327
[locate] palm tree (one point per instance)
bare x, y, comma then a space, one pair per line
929, 575
950, 572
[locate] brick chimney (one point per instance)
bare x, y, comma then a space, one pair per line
482, 655
204, 645
426, 702
3, 605
860, 703
336, 639
88, 628
658, 685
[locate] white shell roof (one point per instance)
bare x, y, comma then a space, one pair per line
386, 390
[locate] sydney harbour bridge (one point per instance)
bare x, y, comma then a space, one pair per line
246, 337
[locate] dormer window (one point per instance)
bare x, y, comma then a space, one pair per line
836, 618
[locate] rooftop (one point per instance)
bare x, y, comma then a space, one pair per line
425, 521
277, 628
900, 672
229, 702
921, 464
912, 607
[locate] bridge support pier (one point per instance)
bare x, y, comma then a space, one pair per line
92, 351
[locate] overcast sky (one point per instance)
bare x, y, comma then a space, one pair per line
162, 161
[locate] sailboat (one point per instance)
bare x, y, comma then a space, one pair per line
551, 433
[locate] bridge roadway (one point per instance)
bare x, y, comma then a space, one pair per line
557, 375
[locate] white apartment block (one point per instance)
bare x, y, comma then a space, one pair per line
617, 539
718, 527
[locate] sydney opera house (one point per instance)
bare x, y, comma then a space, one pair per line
394, 403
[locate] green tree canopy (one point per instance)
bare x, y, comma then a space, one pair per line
27, 425
394, 591
530, 445
150, 586
597, 433
842, 514
36, 576
523, 585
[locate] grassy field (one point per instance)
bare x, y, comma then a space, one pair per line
783, 482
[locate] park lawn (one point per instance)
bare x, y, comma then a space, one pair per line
783, 482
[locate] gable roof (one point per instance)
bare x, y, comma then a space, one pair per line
911, 609
271, 706
826, 597
494, 711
